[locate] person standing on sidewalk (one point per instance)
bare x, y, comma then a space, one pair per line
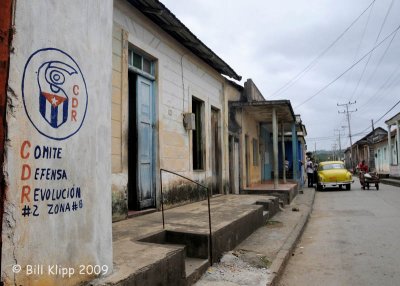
310, 173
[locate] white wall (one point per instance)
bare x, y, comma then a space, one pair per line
53, 41
382, 164
179, 76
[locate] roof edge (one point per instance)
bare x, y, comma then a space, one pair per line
157, 11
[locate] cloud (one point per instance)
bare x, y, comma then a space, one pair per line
272, 41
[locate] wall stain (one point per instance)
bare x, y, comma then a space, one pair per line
180, 193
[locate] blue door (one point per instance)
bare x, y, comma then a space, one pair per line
146, 190
266, 153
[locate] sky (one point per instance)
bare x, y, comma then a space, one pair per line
315, 53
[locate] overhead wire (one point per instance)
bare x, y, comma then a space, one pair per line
379, 63
359, 45
392, 79
380, 118
348, 69
370, 55
315, 60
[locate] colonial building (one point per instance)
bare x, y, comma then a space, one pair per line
393, 145
262, 133
168, 110
363, 149
382, 157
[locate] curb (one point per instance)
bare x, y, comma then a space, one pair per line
392, 182
281, 259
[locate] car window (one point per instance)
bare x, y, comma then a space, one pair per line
332, 166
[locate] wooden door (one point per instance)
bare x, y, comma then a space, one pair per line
215, 152
145, 178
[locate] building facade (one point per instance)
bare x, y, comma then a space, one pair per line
261, 136
170, 103
393, 145
56, 202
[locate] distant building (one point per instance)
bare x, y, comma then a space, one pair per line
381, 156
393, 145
261, 134
379, 148
363, 149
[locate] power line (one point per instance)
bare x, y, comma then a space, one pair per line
352, 66
379, 63
370, 55
361, 40
321, 138
391, 80
314, 61
380, 118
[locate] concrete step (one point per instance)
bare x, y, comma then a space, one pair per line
270, 204
266, 215
195, 244
195, 268
137, 263
146, 254
286, 192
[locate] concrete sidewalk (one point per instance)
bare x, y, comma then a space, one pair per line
145, 254
260, 259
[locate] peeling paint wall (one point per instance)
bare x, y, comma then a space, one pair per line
5, 39
251, 128
245, 124
180, 75
119, 138
57, 219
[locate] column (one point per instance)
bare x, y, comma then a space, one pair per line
275, 147
294, 148
283, 154
398, 142
390, 146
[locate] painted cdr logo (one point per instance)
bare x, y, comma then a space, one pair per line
54, 93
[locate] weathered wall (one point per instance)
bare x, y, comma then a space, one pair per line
247, 125
5, 39
252, 92
58, 205
381, 155
251, 129
118, 138
180, 75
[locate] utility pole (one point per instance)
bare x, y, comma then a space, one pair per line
334, 145
315, 150
340, 141
347, 112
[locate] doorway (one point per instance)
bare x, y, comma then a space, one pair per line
234, 174
266, 152
141, 190
215, 152
247, 159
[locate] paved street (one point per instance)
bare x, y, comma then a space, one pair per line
351, 238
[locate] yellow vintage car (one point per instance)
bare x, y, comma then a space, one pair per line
333, 174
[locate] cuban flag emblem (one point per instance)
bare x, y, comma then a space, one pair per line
53, 108
53, 79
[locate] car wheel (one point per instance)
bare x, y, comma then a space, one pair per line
319, 188
348, 187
